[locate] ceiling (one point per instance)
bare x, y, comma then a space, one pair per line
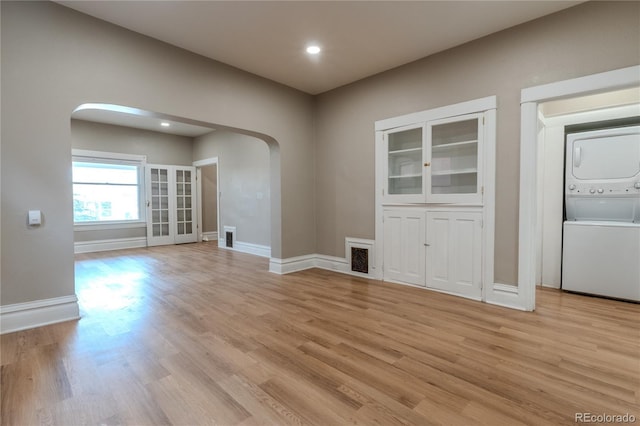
358, 38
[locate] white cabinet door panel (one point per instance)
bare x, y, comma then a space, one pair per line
404, 250
454, 253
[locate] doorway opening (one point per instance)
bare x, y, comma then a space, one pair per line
529, 128
555, 116
162, 139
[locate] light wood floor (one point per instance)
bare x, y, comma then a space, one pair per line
194, 335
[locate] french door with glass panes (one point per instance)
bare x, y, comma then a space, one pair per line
171, 214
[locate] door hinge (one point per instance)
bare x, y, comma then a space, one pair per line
482, 190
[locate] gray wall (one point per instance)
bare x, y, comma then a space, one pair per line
586, 39
55, 59
160, 148
321, 149
244, 169
209, 199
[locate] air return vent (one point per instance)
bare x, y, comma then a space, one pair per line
360, 256
229, 240
360, 260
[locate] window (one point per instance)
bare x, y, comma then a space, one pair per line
107, 189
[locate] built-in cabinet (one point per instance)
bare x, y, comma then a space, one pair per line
430, 174
435, 162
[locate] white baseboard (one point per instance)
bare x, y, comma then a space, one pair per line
321, 261
23, 316
106, 245
256, 249
292, 264
505, 295
210, 236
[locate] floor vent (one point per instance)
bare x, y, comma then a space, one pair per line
229, 239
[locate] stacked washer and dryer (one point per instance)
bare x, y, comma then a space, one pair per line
601, 234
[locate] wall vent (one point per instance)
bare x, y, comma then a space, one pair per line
360, 256
228, 238
360, 260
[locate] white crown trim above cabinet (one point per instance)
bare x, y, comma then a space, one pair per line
434, 225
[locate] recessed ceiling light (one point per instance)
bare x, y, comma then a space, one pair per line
165, 124
313, 50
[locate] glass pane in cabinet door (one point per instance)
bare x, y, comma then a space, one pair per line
405, 162
454, 157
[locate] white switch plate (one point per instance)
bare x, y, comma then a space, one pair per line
35, 217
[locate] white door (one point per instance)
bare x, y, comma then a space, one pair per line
404, 249
171, 215
454, 159
604, 154
403, 168
185, 224
159, 205
454, 253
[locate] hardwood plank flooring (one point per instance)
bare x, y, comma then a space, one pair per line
196, 335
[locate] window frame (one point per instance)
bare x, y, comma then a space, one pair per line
101, 157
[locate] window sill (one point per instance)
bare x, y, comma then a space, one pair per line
80, 227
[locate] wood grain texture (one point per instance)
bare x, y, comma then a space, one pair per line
196, 335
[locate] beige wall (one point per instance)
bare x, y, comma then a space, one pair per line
159, 148
589, 38
321, 149
54, 59
209, 199
245, 190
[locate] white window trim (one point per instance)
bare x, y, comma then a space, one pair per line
107, 157
88, 156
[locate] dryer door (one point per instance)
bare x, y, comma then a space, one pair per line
604, 154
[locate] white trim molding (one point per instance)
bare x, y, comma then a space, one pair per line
323, 261
23, 316
210, 236
107, 245
256, 249
530, 98
292, 264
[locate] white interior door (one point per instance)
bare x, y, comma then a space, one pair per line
159, 205
454, 253
185, 223
171, 204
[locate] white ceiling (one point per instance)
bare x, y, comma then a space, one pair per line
359, 38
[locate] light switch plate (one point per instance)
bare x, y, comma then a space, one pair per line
35, 217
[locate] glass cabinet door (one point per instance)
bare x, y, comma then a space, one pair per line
454, 159
404, 178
